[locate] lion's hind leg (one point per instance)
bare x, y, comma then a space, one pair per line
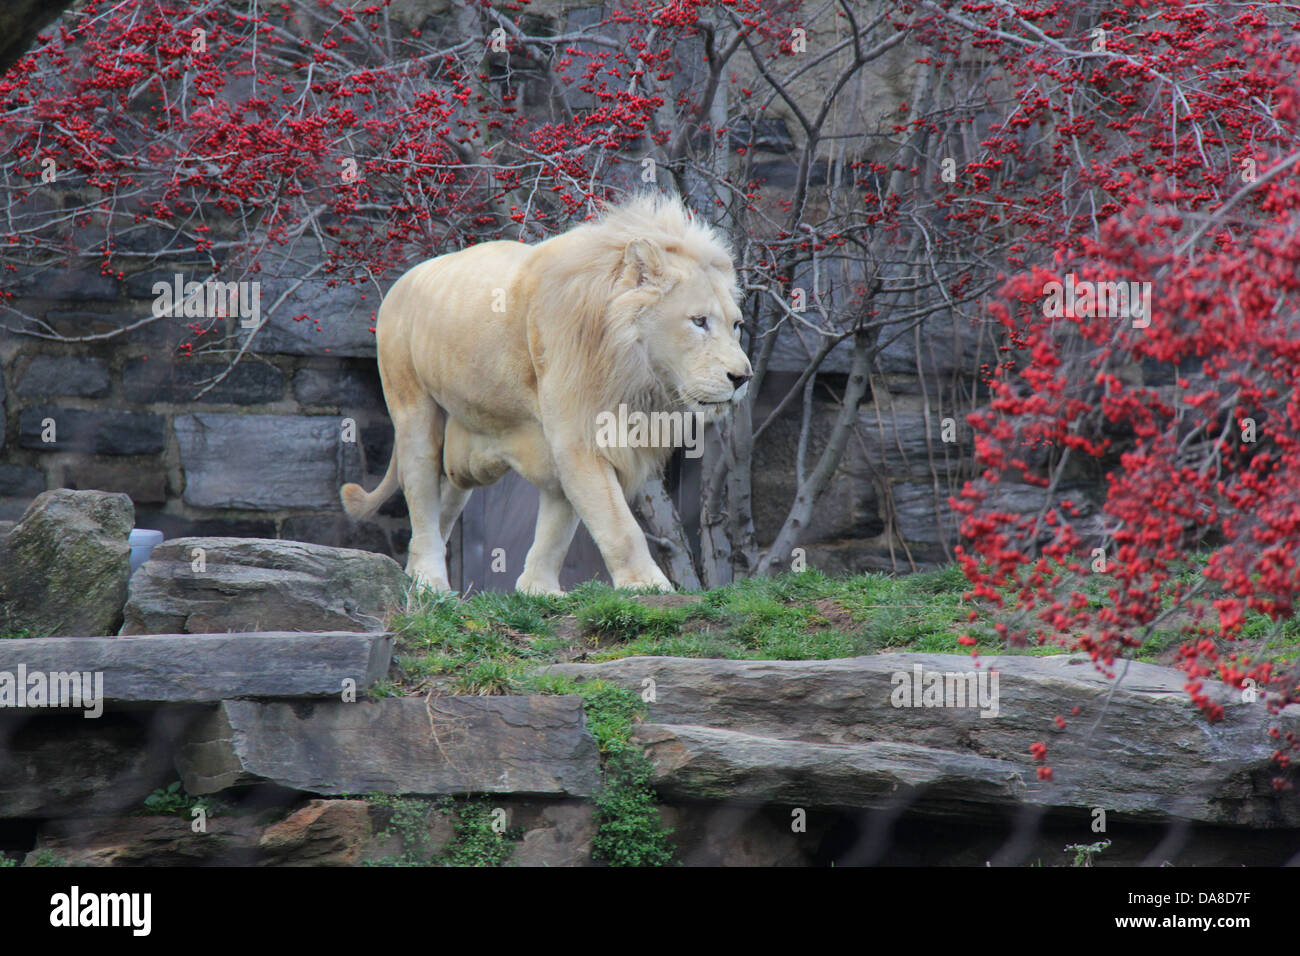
556, 523
419, 436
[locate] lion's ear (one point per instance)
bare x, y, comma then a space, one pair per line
643, 262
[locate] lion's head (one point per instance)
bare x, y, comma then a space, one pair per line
685, 312
639, 309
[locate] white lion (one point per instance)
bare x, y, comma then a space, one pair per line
504, 355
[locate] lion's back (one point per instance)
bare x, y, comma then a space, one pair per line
451, 318
454, 283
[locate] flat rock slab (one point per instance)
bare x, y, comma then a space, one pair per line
1140, 748
702, 763
209, 585
197, 668
149, 841
401, 745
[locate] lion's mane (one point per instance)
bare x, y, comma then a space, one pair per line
588, 334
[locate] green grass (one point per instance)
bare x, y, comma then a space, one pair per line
488, 643
613, 618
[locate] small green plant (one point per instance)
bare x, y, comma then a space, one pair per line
409, 822
1085, 852
383, 688
487, 677
11, 629
477, 843
48, 858
628, 829
173, 800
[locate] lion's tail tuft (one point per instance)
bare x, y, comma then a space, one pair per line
360, 504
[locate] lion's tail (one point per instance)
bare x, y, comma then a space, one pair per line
360, 504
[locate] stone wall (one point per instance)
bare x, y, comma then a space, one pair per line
757, 763
261, 454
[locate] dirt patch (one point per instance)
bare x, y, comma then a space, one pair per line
836, 617
667, 600
567, 629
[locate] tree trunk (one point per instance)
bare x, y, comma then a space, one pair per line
715, 543
664, 533
778, 556
738, 446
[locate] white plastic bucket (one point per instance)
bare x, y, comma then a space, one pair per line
142, 542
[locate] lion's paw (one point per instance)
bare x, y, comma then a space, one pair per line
538, 587
433, 582
645, 582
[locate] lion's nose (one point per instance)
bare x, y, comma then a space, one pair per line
739, 380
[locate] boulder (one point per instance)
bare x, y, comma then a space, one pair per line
211, 585
64, 566
835, 733
401, 745
323, 833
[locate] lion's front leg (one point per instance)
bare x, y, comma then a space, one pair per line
592, 486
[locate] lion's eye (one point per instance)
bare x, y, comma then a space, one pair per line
701, 321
